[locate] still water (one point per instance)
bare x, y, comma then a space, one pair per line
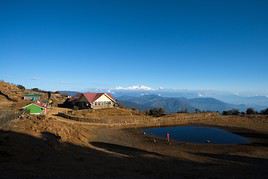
197, 134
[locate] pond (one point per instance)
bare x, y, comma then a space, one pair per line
197, 134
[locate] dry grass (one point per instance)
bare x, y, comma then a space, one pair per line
49, 147
128, 117
7, 116
255, 122
12, 97
54, 148
12, 92
105, 112
107, 116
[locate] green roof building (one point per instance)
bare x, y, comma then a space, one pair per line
34, 109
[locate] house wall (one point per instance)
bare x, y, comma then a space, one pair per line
103, 98
31, 98
103, 102
27, 98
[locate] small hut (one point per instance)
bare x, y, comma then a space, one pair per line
32, 97
34, 109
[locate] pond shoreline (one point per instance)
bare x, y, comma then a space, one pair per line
255, 137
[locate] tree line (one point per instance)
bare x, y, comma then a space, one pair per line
158, 112
249, 111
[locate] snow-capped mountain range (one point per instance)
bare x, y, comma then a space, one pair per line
242, 101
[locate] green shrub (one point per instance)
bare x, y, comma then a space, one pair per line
182, 111
21, 87
35, 89
231, 112
155, 112
265, 111
250, 111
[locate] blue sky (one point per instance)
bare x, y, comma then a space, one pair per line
189, 44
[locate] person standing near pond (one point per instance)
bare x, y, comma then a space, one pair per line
168, 137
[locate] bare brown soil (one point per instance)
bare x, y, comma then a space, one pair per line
54, 147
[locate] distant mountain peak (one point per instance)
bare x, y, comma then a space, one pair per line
135, 88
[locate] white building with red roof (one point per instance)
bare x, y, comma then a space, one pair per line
95, 100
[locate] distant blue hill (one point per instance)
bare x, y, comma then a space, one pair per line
174, 101
173, 105
68, 93
224, 99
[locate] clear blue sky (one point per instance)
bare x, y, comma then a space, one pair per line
193, 44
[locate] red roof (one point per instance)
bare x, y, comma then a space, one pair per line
91, 97
111, 96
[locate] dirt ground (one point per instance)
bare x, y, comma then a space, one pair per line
55, 147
